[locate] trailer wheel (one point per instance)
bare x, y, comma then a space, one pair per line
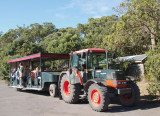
132, 98
98, 97
53, 90
70, 93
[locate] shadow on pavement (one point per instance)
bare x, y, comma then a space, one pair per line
44, 93
144, 104
115, 105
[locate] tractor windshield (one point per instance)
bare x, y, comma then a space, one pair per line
99, 60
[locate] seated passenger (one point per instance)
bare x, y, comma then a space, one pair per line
59, 68
47, 69
54, 68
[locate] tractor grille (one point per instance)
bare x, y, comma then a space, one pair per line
120, 75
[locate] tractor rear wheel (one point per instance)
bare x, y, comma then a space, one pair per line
53, 90
132, 98
98, 97
70, 93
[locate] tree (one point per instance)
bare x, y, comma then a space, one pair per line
141, 17
63, 41
96, 29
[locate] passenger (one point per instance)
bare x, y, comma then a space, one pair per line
54, 68
26, 75
47, 69
59, 68
21, 75
17, 74
37, 73
13, 74
33, 75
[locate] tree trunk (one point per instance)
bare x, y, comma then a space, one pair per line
153, 39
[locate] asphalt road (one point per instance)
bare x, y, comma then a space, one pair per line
33, 103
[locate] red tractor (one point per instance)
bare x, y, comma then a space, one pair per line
90, 74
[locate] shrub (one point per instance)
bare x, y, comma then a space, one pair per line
154, 89
152, 68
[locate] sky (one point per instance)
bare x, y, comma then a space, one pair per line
62, 13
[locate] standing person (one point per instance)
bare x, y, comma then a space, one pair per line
17, 74
37, 73
13, 75
26, 75
21, 75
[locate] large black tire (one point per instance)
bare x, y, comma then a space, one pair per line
70, 93
132, 98
53, 90
98, 97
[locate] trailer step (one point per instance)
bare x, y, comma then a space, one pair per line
26, 88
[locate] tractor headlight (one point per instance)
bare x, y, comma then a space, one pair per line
121, 82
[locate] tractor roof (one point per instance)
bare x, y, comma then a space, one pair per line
90, 50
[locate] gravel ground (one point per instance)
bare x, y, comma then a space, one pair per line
34, 103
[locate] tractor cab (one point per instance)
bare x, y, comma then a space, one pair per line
93, 63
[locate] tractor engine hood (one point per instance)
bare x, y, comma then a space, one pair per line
110, 74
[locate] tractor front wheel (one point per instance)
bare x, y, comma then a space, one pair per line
70, 93
132, 98
98, 97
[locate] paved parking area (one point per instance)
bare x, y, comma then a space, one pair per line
34, 103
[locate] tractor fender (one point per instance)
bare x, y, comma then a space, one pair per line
59, 81
97, 81
61, 75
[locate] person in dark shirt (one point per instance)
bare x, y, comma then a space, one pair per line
13, 74
26, 77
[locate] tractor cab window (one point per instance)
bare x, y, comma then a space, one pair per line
75, 61
79, 61
82, 62
97, 61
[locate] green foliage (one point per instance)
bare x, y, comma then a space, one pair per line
4, 67
153, 73
96, 29
152, 66
129, 34
136, 27
62, 41
121, 65
21, 42
154, 89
